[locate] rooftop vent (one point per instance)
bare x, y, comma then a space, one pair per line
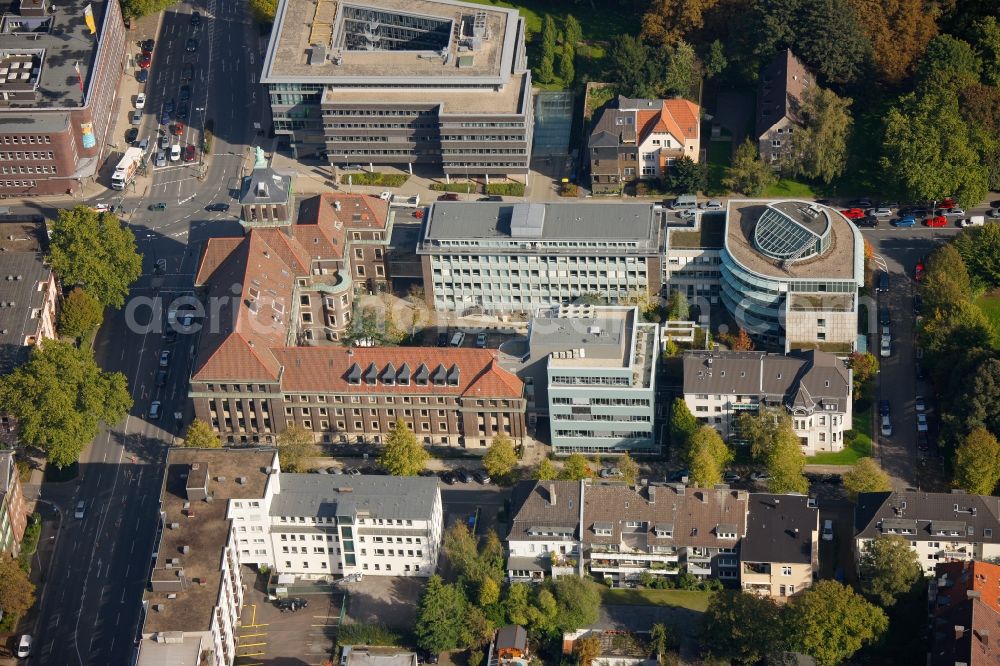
242, 480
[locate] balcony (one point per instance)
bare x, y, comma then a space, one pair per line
761, 568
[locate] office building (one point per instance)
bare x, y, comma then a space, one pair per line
59, 87
779, 556
592, 370
940, 527
439, 83
814, 388
501, 257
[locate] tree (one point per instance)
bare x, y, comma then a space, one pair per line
707, 457
477, 629
927, 150
566, 71
899, 31
139, 8
748, 173
296, 445
830, 622
500, 458
577, 602
715, 61
629, 469
986, 41
978, 406
948, 334
979, 248
440, 615
946, 278
587, 649
742, 342
489, 592
681, 71
200, 435
81, 315
785, 464
402, 454
977, 462
545, 471
831, 40
95, 251
17, 592
678, 308
818, 149
630, 65
761, 429
686, 176
572, 32
576, 468
744, 627
60, 396
888, 569
546, 72
668, 21
949, 64
263, 11
683, 424
460, 545
670, 348
865, 367
866, 477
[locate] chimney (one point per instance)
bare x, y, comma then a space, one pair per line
552, 494
652, 494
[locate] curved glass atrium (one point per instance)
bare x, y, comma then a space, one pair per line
792, 231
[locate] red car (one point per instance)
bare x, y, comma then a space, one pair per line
936, 221
177, 129
948, 203
190, 154
918, 271
145, 60
853, 213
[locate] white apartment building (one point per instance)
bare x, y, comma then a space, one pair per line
544, 538
940, 527
814, 387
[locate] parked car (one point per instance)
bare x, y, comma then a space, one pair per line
885, 349
883, 281
918, 304
482, 477
492, 197
175, 152
481, 341
711, 204
442, 339
731, 477
908, 221
867, 222
883, 316
993, 213
154, 410
24, 646
177, 128
951, 212
827, 530
142, 75
760, 476
919, 370
196, 18
218, 207
448, 196
448, 477
883, 408
135, 117
164, 358
160, 160
132, 134
464, 476
921, 422
609, 473
886, 427
881, 211
81, 510
458, 339
886, 334
918, 270
190, 154
859, 203
680, 476
293, 604
936, 221
853, 213
148, 44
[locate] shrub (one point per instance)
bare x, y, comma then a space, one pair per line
366, 634
374, 178
461, 188
569, 190
513, 189
29, 544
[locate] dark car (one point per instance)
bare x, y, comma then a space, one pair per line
164, 118
868, 221
169, 106
883, 316
142, 75
132, 134
190, 154
161, 378
195, 18
448, 478
920, 371
859, 203
183, 110
464, 476
157, 206
679, 476
448, 196
492, 197
918, 303
292, 604
218, 207
147, 45
442, 339
170, 336
883, 281
185, 92
883, 408
429, 657
187, 73
191, 45
482, 477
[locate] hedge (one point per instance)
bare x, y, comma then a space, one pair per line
374, 178
461, 188
514, 189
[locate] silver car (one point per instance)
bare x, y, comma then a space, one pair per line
161, 158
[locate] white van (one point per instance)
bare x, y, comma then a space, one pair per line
458, 339
685, 202
827, 530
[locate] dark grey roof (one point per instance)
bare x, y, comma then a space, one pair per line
803, 379
265, 186
552, 504
780, 528
782, 83
877, 514
21, 270
512, 636
387, 497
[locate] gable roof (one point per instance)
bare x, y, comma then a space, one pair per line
782, 83
780, 528
554, 504
919, 515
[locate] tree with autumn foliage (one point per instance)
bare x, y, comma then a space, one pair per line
899, 31
742, 341
668, 21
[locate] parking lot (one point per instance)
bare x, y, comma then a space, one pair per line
486, 503
388, 600
274, 637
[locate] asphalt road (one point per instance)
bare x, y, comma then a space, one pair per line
90, 609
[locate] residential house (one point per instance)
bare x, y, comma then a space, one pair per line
544, 537
618, 648
813, 387
640, 139
510, 646
13, 509
940, 527
662, 529
779, 100
965, 613
780, 553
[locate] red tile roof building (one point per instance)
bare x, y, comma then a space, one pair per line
965, 614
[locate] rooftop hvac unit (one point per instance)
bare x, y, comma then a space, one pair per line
241, 480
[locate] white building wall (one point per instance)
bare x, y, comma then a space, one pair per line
943, 549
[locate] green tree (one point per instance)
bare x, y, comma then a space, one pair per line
489, 592
865, 367
296, 445
683, 425
263, 11
977, 463
402, 454
949, 334
748, 173
947, 281
888, 569
986, 40
678, 308
440, 616
977, 408
681, 71
139, 8
572, 31
629, 469
785, 463
500, 458
545, 471
761, 429
630, 65
927, 150
460, 546
686, 176
516, 602
200, 435
577, 602
866, 477
546, 71
566, 70
96, 251
59, 397
818, 149
831, 41
715, 61
830, 622
81, 315
17, 592
744, 627
899, 31
979, 248
575, 468
477, 629
949, 64
708, 456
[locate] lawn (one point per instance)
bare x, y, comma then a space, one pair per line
990, 305
858, 442
690, 599
791, 189
600, 22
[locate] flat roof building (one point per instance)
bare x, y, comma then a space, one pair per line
502, 257
386, 82
58, 93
